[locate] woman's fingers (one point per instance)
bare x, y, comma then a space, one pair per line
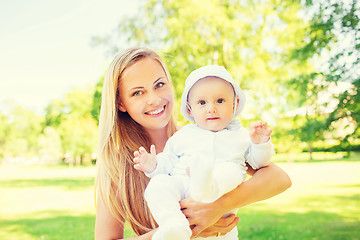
222, 227
196, 230
185, 203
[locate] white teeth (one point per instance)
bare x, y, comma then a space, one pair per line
156, 111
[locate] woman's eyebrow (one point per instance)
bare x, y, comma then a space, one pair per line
135, 88
157, 80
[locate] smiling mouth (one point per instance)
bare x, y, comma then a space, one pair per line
213, 118
156, 111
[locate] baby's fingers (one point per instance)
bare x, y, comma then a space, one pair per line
137, 166
142, 150
152, 150
136, 160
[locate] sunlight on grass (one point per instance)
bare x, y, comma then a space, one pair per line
53, 203
46, 203
323, 203
317, 156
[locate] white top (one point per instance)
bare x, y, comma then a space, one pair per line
230, 144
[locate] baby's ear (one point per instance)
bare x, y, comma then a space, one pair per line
236, 103
120, 107
189, 111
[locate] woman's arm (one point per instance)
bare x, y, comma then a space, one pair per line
107, 228
265, 183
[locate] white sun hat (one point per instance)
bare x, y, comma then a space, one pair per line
211, 71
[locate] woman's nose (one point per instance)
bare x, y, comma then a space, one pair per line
153, 98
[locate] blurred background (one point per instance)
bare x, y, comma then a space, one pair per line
297, 60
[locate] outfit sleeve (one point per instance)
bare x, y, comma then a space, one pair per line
165, 160
259, 155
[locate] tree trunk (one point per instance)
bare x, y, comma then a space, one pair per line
310, 150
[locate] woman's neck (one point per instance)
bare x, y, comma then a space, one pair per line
158, 137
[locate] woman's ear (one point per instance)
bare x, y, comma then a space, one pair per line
120, 107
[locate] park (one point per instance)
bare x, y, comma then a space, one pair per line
298, 64
55, 202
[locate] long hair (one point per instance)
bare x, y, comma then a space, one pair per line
118, 184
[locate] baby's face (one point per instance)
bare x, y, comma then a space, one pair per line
211, 100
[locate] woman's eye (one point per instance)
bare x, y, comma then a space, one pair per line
220, 100
137, 93
159, 85
202, 102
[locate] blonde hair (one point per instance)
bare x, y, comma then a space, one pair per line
117, 183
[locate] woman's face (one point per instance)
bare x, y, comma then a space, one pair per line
146, 94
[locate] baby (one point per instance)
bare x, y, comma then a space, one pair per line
203, 160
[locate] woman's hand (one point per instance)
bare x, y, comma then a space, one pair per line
221, 227
206, 218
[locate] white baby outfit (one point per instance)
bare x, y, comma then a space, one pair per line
217, 165
216, 161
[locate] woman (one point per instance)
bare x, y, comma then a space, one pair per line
137, 110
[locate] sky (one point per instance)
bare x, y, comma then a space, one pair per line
45, 48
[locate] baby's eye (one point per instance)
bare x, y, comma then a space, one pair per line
202, 102
159, 85
220, 100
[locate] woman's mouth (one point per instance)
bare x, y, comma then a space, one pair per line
157, 111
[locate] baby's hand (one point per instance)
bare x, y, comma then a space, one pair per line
145, 161
259, 133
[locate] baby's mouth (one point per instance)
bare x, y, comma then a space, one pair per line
213, 118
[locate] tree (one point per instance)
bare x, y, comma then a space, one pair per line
50, 150
249, 38
79, 137
78, 130
6, 134
96, 104
332, 40
54, 113
74, 121
27, 127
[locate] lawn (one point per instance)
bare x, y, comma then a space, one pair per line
50, 203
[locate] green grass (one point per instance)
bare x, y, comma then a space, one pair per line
48, 225
304, 157
314, 217
50, 203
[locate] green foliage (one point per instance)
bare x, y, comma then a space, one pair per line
76, 126
288, 56
54, 113
50, 145
96, 104
251, 39
348, 112
68, 127
79, 135
273, 51
19, 132
332, 39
